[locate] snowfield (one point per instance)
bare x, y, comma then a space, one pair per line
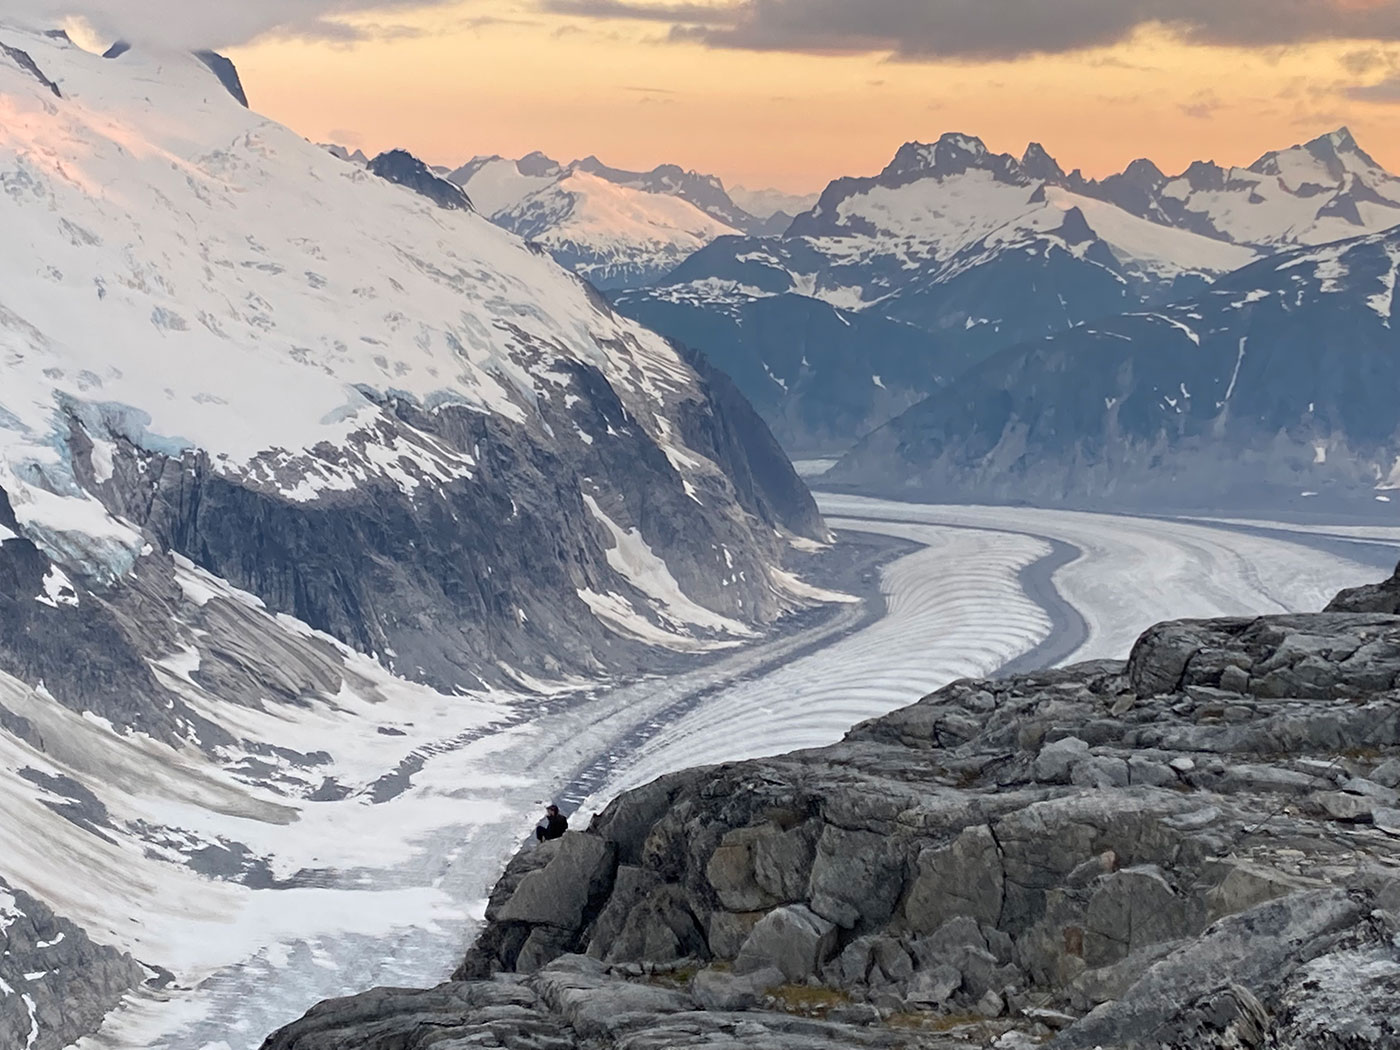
933, 220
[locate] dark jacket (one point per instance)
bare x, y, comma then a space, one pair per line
555, 826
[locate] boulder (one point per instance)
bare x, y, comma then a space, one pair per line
1387, 774
558, 894
1179, 1003
1133, 909
661, 928
1055, 761
731, 874
720, 990
793, 939
934, 987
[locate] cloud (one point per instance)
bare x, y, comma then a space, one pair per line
690, 14
1365, 61
221, 23
1202, 105
1388, 90
996, 29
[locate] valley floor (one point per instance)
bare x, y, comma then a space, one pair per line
978, 591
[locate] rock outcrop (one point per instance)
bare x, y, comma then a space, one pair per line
1375, 598
403, 168
1197, 848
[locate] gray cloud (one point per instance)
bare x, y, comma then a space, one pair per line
220, 23
996, 29
689, 14
1387, 90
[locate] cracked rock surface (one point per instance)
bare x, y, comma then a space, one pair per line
1198, 848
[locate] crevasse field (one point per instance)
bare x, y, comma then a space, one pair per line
984, 588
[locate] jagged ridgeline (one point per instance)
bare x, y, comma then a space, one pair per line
892, 287
299, 465
1195, 849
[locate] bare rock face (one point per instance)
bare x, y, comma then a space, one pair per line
1197, 848
56, 985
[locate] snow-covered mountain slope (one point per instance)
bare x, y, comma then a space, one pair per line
616, 235
1325, 190
939, 209
1275, 385
985, 251
496, 185
305, 477
706, 192
197, 285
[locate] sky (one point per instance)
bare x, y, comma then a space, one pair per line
794, 93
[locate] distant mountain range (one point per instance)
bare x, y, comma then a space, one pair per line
1017, 299
975, 253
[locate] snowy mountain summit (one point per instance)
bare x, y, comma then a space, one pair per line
1324, 190
617, 228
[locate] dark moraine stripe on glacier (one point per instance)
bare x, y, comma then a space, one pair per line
1375, 552
1068, 628
1068, 633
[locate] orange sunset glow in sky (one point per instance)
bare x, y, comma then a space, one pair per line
792, 93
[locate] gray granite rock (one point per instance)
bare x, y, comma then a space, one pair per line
793, 939
1374, 598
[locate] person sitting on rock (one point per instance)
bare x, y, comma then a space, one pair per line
554, 826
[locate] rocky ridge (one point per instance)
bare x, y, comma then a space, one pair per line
1196, 848
980, 252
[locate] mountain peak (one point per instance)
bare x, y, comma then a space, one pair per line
1038, 164
540, 165
1341, 140
1144, 171
1341, 145
1333, 155
953, 154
